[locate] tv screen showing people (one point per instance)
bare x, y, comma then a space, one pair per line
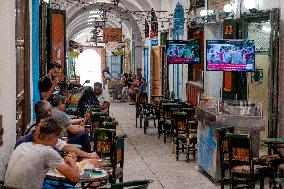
183, 52
230, 55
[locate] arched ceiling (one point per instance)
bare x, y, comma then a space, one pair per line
78, 11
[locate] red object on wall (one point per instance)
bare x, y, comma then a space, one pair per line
57, 39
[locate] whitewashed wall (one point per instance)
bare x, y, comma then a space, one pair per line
7, 81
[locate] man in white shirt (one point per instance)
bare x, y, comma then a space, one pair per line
102, 96
30, 162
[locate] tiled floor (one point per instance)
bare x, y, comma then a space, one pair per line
146, 156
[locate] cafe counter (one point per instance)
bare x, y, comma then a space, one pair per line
207, 138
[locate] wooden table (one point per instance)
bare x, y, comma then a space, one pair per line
275, 144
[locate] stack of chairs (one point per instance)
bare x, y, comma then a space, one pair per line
110, 147
107, 144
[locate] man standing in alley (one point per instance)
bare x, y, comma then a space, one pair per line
47, 85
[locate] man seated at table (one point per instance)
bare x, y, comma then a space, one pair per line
87, 100
76, 132
43, 110
142, 86
102, 96
30, 162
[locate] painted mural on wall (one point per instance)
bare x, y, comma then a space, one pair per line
57, 24
115, 66
207, 147
112, 34
178, 21
216, 5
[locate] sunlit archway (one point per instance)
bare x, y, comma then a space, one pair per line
89, 67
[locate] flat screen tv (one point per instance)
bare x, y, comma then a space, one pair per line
230, 55
183, 52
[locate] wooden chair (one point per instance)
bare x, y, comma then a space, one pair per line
150, 112
181, 132
104, 140
192, 139
117, 159
110, 125
241, 165
141, 100
223, 151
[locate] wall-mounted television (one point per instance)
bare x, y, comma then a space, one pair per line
183, 52
230, 55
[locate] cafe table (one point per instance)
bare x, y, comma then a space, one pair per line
275, 144
87, 177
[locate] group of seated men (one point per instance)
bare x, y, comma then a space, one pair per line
132, 87
42, 148
37, 152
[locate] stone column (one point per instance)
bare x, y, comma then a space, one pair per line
7, 81
213, 80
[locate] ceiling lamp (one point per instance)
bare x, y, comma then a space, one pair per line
228, 8
249, 4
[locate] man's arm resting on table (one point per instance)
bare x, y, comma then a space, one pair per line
69, 170
77, 121
78, 152
75, 128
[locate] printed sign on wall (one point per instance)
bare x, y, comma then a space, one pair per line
112, 34
57, 39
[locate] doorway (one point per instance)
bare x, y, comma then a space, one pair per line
88, 67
